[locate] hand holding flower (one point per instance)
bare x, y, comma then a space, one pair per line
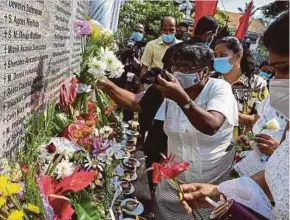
267, 145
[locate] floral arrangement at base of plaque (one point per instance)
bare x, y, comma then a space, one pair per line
75, 161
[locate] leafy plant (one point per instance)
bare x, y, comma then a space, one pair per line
148, 13
274, 8
86, 209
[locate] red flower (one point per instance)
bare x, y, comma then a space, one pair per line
167, 169
54, 191
67, 97
50, 148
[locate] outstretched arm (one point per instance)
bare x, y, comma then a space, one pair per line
121, 96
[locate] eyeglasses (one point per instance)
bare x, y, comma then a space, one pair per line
185, 69
138, 30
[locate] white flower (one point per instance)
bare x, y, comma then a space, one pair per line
105, 131
97, 64
97, 67
43, 155
107, 54
106, 158
91, 163
96, 132
116, 70
272, 125
64, 169
115, 150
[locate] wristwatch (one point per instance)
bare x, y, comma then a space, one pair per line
191, 103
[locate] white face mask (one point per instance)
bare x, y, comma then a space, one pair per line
187, 80
279, 95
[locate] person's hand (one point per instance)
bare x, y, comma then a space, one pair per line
266, 144
101, 84
172, 89
194, 194
243, 140
248, 120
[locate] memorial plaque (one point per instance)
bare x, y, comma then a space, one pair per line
38, 51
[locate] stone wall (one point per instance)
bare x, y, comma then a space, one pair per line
37, 50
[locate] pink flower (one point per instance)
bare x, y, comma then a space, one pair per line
67, 97
82, 28
167, 169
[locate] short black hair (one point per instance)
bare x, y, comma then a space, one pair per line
183, 24
205, 24
276, 37
199, 55
264, 63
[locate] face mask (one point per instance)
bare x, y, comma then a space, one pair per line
222, 65
279, 95
265, 75
168, 38
187, 80
136, 36
208, 43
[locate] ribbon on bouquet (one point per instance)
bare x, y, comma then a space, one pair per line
82, 91
83, 88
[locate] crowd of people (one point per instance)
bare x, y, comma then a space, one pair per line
198, 102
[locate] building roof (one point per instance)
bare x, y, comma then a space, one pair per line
256, 26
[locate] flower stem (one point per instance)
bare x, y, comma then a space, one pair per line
85, 102
2, 217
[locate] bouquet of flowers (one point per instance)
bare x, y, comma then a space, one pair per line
99, 61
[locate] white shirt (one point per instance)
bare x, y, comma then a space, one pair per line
206, 154
252, 163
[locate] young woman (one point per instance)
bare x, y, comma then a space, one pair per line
234, 63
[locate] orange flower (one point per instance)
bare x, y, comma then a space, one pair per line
87, 130
90, 123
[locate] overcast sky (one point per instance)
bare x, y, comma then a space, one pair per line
232, 5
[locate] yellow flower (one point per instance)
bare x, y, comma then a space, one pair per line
16, 215
3, 181
272, 125
3, 184
10, 189
2, 201
33, 208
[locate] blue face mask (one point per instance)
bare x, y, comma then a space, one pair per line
265, 75
222, 65
168, 38
187, 80
137, 36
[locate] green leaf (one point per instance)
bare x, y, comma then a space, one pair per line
86, 210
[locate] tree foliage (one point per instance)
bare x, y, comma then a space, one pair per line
148, 13
275, 8
243, 11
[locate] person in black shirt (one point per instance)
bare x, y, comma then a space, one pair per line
205, 31
182, 31
130, 58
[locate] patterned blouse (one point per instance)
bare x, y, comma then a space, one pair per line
249, 93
